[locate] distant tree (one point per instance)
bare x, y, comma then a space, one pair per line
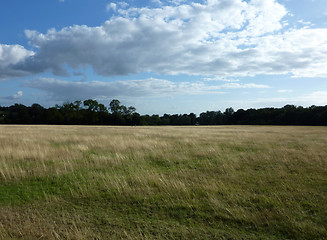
184, 120
238, 116
192, 118
136, 119
3, 113
130, 110
145, 120
115, 107
77, 105
92, 105
93, 112
18, 114
211, 118
123, 115
154, 120
54, 116
228, 115
102, 108
36, 112
323, 116
165, 119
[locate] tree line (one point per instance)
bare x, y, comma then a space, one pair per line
90, 112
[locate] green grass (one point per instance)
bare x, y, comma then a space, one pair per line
231, 182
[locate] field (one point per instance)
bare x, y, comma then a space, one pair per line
225, 182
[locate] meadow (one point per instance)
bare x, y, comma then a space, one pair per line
221, 182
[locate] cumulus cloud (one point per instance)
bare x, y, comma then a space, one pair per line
226, 38
66, 90
111, 6
15, 96
19, 94
114, 6
10, 55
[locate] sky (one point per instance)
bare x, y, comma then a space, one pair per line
164, 56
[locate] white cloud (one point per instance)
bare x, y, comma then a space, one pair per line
15, 96
220, 79
305, 22
11, 55
238, 85
111, 6
156, 2
123, 4
66, 90
176, 2
19, 94
318, 98
114, 6
217, 38
285, 91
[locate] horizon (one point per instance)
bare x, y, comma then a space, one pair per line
168, 56
107, 107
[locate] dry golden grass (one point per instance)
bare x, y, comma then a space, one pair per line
224, 182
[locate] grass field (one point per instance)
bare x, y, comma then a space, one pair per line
226, 182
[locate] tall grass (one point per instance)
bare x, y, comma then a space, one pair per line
235, 182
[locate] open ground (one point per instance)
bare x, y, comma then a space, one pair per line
224, 182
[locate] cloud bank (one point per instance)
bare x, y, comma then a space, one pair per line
225, 38
318, 98
66, 90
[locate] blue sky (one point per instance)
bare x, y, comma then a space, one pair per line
164, 56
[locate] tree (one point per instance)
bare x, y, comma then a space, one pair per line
92, 105
102, 108
114, 106
36, 112
77, 105
18, 113
192, 117
228, 115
